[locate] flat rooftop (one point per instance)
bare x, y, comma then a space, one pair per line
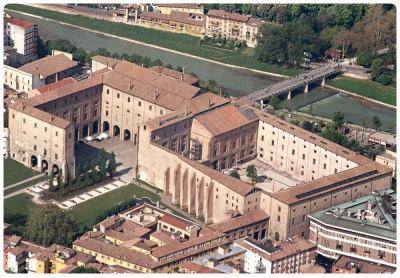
374, 215
269, 178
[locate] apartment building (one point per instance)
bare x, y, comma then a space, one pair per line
289, 256
175, 21
351, 265
39, 73
181, 7
23, 36
364, 229
150, 240
220, 23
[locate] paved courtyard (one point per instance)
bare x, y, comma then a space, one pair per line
125, 151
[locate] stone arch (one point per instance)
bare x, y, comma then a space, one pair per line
209, 203
95, 127
106, 126
192, 194
85, 130
177, 184
184, 190
199, 198
34, 161
44, 166
116, 130
55, 169
127, 135
167, 181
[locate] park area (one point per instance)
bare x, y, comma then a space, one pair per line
365, 88
85, 213
15, 172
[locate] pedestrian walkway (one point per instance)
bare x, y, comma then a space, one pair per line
69, 203
24, 181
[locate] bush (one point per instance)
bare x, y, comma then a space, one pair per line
385, 79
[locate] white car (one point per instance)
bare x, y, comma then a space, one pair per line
102, 136
88, 139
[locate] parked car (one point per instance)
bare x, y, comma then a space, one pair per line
88, 139
102, 136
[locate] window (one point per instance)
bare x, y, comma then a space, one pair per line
140, 103
129, 99
35, 124
150, 107
304, 156
283, 147
313, 161
279, 218
34, 148
23, 120
106, 113
55, 156
272, 142
292, 152
56, 133
262, 137
324, 165
44, 152
279, 208
117, 95
108, 91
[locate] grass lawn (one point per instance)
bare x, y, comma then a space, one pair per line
15, 172
21, 203
24, 185
366, 88
179, 42
87, 212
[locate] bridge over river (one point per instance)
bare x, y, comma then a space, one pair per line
288, 85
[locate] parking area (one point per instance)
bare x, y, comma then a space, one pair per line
125, 151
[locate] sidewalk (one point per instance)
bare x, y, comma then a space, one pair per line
24, 181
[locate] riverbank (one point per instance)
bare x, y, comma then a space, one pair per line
364, 89
177, 43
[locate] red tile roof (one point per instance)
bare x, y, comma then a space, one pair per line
49, 65
20, 23
56, 85
223, 119
241, 221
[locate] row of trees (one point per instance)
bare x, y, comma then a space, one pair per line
223, 42
326, 14
93, 172
116, 209
251, 172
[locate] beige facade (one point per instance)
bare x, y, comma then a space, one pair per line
363, 229
186, 8
21, 81
39, 143
23, 36
234, 26
388, 158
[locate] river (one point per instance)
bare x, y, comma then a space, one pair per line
324, 101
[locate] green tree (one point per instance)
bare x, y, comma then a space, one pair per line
307, 125
60, 179
365, 59
49, 224
82, 269
102, 164
51, 182
112, 165
234, 174
376, 122
251, 172
275, 102
376, 68
338, 119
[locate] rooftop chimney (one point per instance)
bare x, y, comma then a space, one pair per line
155, 95
181, 77
209, 102
186, 111
183, 71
